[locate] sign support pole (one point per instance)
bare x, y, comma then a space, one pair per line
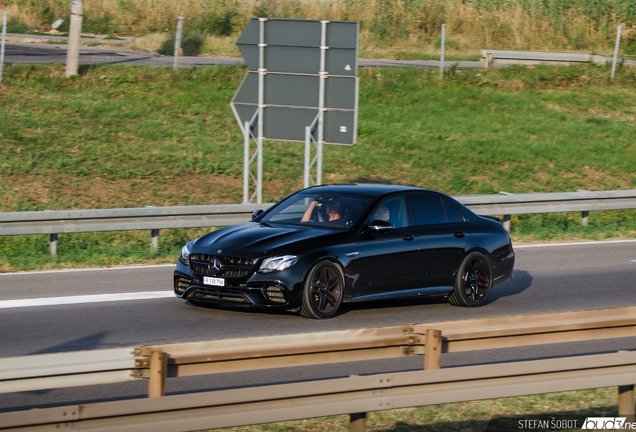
307, 156
261, 110
246, 162
321, 100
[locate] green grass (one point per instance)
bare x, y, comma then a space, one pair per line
498, 415
135, 136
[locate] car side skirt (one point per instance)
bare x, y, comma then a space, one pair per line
445, 290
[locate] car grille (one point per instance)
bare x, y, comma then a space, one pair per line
232, 267
219, 295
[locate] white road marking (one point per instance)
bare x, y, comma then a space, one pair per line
133, 267
583, 243
98, 298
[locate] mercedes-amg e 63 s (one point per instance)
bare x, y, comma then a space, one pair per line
326, 245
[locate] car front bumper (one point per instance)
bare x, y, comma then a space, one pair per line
273, 290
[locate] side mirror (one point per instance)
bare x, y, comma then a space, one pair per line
257, 213
379, 226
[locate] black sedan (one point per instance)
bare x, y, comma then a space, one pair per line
326, 245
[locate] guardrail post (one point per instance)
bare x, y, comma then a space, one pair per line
506, 222
53, 244
154, 239
158, 373
626, 402
584, 218
433, 349
358, 422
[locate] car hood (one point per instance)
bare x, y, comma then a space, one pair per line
253, 239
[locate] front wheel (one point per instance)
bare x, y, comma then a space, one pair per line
473, 281
323, 291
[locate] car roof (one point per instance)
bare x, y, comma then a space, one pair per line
363, 190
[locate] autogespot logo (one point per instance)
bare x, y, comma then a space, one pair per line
607, 423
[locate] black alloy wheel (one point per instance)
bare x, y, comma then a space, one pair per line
323, 291
473, 281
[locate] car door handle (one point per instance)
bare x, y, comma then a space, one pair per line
408, 237
459, 234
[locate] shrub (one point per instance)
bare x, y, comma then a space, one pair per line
191, 44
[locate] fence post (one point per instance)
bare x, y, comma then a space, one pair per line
626, 402
158, 373
74, 38
618, 42
433, 349
441, 57
4, 38
358, 422
177, 45
154, 239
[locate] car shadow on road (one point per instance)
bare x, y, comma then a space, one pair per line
521, 281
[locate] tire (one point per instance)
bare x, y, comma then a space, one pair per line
473, 281
323, 291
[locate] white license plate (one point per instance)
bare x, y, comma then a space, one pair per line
213, 281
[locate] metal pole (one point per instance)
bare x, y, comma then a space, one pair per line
307, 155
177, 45
618, 42
74, 38
261, 108
246, 162
321, 101
4, 37
441, 57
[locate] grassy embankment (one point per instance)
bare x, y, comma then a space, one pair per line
389, 28
136, 136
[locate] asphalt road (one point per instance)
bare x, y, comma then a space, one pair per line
546, 279
18, 52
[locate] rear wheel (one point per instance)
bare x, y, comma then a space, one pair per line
473, 281
323, 291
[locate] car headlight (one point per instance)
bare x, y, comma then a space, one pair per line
185, 253
277, 263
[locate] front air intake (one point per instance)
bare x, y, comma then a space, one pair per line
275, 294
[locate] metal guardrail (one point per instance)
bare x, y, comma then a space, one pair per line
528, 58
54, 222
356, 394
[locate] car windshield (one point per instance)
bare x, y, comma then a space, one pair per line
324, 210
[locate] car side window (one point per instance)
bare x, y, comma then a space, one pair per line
428, 209
452, 214
392, 210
